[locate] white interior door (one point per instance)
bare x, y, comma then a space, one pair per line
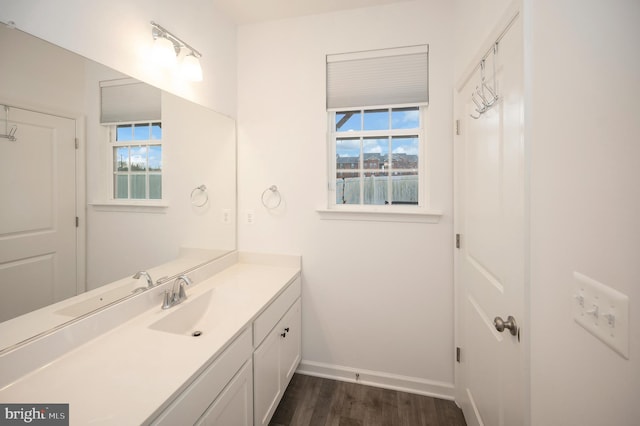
491, 260
37, 217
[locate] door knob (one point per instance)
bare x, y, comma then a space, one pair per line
509, 324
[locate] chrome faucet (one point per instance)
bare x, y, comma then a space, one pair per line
176, 296
145, 274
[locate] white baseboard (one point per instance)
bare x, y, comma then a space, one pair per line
431, 388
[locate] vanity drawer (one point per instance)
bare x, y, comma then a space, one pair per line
270, 317
190, 404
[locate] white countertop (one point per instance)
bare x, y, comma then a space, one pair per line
123, 376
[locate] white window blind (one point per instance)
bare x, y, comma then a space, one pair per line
378, 77
128, 100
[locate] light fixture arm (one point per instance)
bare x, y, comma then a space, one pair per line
159, 31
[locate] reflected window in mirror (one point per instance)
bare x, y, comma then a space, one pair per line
137, 160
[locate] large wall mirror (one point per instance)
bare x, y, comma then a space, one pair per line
153, 193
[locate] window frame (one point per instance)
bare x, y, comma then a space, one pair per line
112, 172
333, 136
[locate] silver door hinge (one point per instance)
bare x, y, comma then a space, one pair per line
458, 354
457, 241
457, 127
77, 143
77, 221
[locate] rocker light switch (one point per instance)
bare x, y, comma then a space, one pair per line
603, 312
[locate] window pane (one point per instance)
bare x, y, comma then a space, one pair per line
141, 132
348, 153
347, 188
405, 152
375, 188
405, 183
405, 188
348, 120
138, 185
155, 187
376, 119
124, 133
121, 159
156, 131
121, 186
139, 158
155, 158
376, 152
405, 118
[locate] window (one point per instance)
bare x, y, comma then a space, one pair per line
137, 160
132, 111
376, 103
377, 155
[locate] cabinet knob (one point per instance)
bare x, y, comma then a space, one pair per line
286, 329
283, 334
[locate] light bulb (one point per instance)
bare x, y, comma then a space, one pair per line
164, 52
191, 68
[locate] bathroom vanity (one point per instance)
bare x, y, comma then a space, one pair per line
224, 356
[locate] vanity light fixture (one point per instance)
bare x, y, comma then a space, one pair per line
167, 48
164, 53
190, 68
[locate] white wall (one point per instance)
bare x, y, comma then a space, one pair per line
57, 76
585, 204
117, 33
474, 21
377, 296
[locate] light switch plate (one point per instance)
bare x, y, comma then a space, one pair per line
250, 217
603, 312
226, 215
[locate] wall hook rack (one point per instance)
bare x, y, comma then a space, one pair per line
485, 97
8, 133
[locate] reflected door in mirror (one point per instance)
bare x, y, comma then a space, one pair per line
37, 218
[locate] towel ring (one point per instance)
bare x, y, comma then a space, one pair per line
202, 189
274, 190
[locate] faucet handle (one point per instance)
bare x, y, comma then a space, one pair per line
185, 280
167, 302
182, 294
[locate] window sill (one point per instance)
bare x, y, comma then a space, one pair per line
130, 206
408, 216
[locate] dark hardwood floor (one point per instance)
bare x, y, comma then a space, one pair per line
315, 401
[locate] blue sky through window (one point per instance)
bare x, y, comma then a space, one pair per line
155, 157
348, 147
376, 146
156, 131
405, 145
377, 120
354, 121
138, 132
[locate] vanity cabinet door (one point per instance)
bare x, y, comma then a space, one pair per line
266, 378
275, 361
234, 406
290, 351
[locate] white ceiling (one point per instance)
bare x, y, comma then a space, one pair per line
251, 11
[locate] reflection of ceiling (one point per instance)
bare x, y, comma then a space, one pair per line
249, 11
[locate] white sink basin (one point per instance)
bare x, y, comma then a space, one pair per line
194, 317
